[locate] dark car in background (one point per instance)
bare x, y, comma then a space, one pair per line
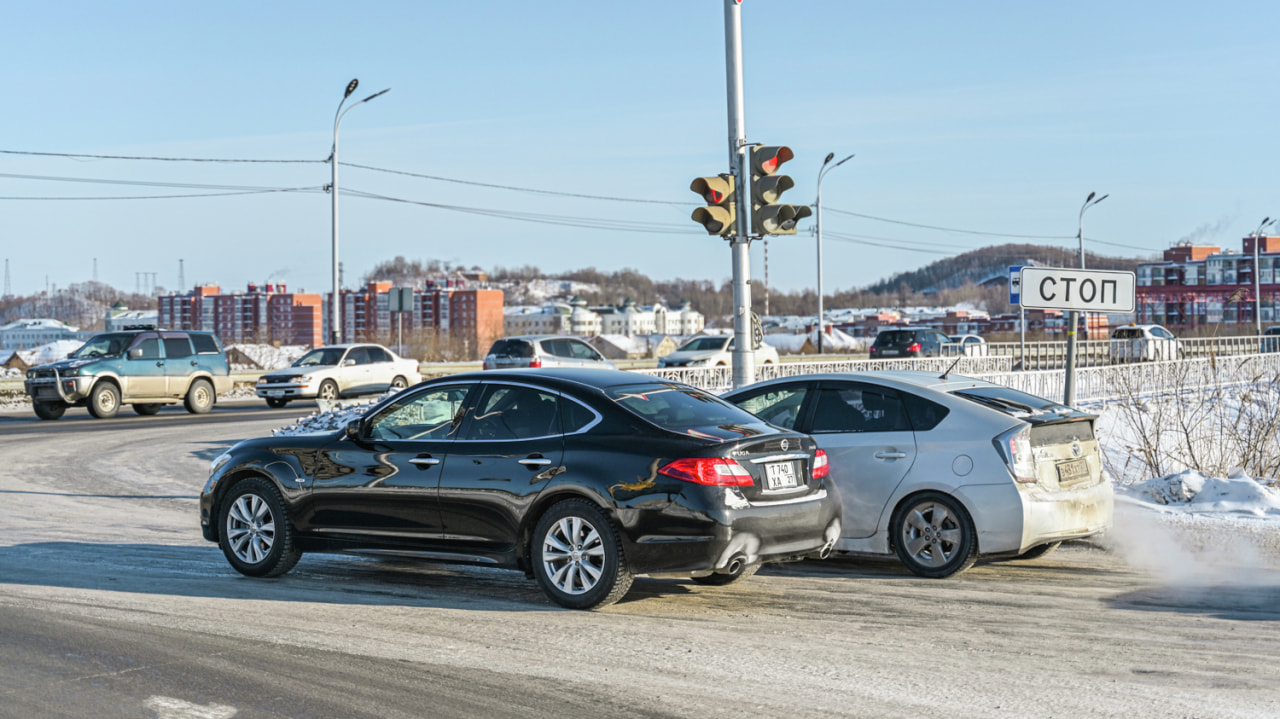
580, 478
144, 367
895, 343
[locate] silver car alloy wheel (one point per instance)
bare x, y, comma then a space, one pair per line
930, 534
251, 528
573, 555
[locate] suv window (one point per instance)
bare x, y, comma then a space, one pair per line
177, 347
559, 348
107, 345
581, 350
896, 337
205, 344
149, 345
511, 348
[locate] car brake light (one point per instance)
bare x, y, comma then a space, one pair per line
536, 362
874, 349
1015, 448
913, 347
821, 467
711, 471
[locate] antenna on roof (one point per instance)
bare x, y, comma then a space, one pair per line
943, 376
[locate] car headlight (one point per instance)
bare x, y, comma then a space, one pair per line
31, 374
219, 461
69, 372
305, 379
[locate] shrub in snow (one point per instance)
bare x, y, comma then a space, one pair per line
330, 417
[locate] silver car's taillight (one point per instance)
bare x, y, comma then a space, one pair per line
1015, 448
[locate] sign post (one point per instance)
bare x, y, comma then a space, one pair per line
1015, 298
400, 301
1056, 288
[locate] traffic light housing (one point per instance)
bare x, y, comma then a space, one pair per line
768, 216
719, 216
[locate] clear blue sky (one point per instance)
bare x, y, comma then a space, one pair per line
995, 117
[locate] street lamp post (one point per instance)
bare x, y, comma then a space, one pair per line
1073, 318
334, 333
822, 172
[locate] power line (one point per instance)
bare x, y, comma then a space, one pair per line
154, 159
951, 229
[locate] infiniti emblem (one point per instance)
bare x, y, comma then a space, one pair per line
784, 445
1076, 449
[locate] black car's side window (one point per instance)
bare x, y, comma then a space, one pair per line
435, 414
779, 406
857, 408
575, 417
513, 412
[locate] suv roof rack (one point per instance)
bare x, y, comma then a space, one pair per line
139, 327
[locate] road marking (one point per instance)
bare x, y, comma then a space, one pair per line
170, 708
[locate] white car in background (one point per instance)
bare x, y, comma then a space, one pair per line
967, 345
347, 370
1144, 343
713, 351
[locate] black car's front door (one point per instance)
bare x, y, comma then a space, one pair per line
511, 445
389, 493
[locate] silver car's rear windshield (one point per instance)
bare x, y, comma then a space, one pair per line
1010, 400
511, 348
678, 408
704, 344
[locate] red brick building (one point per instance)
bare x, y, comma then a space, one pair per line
1197, 285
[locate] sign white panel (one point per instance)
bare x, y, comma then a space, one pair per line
1057, 288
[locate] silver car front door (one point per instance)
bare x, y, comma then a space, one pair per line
870, 446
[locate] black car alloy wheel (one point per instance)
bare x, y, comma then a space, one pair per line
255, 535
578, 557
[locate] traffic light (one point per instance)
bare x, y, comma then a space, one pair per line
719, 217
768, 216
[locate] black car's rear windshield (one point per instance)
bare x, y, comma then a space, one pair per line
1009, 400
896, 337
511, 348
678, 408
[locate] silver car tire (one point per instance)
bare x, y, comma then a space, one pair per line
255, 534
578, 558
399, 382
934, 535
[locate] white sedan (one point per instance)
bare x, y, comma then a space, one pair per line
941, 469
346, 370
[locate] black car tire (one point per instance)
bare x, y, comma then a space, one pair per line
931, 526
328, 390
721, 580
104, 400
200, 397
399, 382
147, 409
254, 530
49, 410
578, 558
1040, 551
276, 402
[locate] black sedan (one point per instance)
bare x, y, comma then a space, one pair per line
581, 478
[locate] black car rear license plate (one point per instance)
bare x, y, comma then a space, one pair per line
780, 475
1074, 471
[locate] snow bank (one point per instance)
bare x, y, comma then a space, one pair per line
1238, 493
331, 416
268, 357
51, 352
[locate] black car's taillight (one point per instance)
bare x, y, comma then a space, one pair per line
711, 471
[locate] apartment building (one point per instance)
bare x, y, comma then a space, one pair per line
1198, 285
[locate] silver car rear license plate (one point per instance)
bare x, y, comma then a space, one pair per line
780, 475
1073, 471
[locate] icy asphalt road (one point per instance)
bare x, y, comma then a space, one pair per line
112, 605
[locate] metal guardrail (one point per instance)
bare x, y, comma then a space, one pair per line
1098, 353
720, 379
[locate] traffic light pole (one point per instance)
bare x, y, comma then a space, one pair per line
744, 370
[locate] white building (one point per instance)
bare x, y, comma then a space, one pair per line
25, 334
120, 317
629, 320
544, 320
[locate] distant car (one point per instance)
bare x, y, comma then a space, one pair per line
144, 367
1271, 339
894, 343
713, 351
942, 470
1139, 343
580, 478
346, 370
968, 345
539, 351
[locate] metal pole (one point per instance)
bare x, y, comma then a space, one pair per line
822, 172
1258, 235
744, 371
1069, 383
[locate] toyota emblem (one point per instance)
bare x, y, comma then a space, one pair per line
1076, 449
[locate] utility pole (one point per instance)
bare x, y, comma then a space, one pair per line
744, 370
1069, 382
182, 277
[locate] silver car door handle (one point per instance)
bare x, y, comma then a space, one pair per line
425, 461
534, 462
891, 455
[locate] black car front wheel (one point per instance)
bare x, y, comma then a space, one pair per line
934, 535
578, 558
254, 530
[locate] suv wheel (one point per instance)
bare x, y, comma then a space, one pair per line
104, 400
200, 397
148, 409
49, 410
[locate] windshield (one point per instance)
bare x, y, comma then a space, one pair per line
322, 356
1005, 398
704, 344
679, 408
896, 337
112, 345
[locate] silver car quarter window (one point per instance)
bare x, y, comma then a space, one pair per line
857, 408
779, 407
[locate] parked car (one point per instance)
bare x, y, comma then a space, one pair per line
943, 469
1271, 339
581, 478
142, 367
347, 370
967, 345
908, 343
543, 351
1136, 343
713, 351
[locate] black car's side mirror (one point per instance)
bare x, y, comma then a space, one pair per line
352, 430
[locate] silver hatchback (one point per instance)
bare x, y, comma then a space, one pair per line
544, 351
